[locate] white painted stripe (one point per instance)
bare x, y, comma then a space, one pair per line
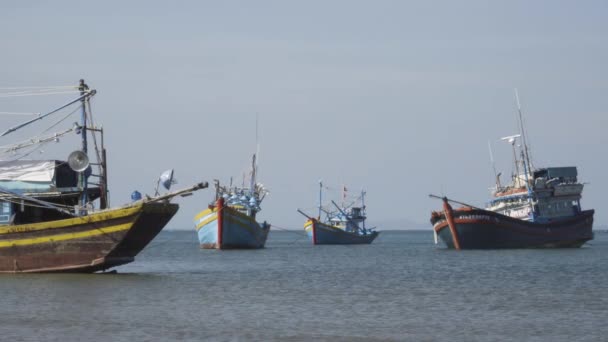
204, 218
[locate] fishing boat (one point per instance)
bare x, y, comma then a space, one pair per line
540, 208
53, 218
343, 226
229, 222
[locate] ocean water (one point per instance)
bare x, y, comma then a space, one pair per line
402, 287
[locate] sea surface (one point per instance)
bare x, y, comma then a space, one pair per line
402, 287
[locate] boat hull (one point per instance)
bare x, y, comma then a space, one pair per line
226, 228
483, 229
323, 234
86, 244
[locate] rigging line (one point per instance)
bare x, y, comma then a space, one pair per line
37, 94
49, 205
49, 87
25, 154
62, 119
40, 117
97, 151
31, 204
17, 113
33, 141
295, 231
310, 208
353, 202
298, 239
42, 142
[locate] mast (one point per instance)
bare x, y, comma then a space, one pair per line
83, 123
255, 156
526, 175
252, 195
363, 207
526, 154
103, 201
496, 175
513, 141
253, 175
320, 198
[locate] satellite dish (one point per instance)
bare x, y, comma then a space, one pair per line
511, 138
78, 161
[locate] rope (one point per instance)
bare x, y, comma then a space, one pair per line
18, 202
49, 87
300, 234
30, 142
25, 154
62, 119
17, 113
42, 141
274, 226
37, 94
97, 151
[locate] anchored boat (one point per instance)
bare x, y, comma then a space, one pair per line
230, 220
540, 209
343, 226
48, 219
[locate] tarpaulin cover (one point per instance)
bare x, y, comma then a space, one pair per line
27, 170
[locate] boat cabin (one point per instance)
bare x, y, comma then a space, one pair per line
50, 180
554, 192
349, 222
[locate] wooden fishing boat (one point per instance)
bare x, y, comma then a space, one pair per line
344, 226
52, 219
540, 208
230, 220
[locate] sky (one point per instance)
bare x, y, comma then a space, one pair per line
397, 97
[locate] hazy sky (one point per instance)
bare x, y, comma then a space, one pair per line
398, 97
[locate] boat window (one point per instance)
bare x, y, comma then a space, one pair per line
6, 212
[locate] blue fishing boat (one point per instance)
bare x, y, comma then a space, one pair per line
230, 220
343, 226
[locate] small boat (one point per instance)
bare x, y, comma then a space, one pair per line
48, 219
230, 220
540, 209
344, 226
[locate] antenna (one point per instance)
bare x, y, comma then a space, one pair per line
496, 175
363, 206
522, 132
253, 175
320, 197
511, 139
256, 156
